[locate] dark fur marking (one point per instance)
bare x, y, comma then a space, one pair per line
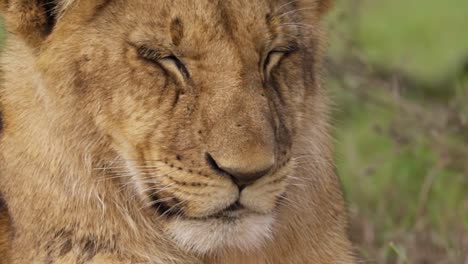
230, 26
1, 125
66, 248
177, 31
60, 245
81, 79
89, 251
176, 99
63, 243
160, 206
3, 206
268, 18
6, 217
50, 9
99, 9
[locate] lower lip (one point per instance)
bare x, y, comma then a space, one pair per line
230, 214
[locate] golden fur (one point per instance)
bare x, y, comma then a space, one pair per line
130, 126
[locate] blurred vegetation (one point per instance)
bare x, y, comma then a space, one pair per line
398, 72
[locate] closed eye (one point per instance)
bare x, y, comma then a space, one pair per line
271, 61
168, 61
274, 58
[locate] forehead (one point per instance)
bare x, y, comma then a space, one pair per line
210, 21
203, 12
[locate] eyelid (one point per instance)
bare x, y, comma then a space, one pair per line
160, 57
152, 54
288, 48
179, 64
275, 56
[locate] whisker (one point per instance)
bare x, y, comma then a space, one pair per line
284, 6
153, 177
140, 171
115, 177
159, 189
288, 201
294, 11
124, 160
152, 203
127, 174
297, 25
125, 167
171, 208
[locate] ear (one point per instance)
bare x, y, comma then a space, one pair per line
32, 20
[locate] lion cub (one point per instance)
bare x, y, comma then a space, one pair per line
169, 131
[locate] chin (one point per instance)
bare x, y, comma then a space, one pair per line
243, 231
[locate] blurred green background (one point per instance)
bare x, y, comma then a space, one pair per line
398, 73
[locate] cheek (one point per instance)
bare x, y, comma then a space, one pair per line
293, 82
129, 97
296, 86
126, 118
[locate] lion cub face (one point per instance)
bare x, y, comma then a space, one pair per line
200, 99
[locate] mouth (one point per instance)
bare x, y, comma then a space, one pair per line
235, 227
164, 208
232, 228
234, 211
207, 213
242, 224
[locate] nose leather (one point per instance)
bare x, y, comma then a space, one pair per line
244, 172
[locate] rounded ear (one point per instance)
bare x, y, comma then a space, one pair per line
31, 20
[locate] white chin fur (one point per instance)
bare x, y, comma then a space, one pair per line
212, 235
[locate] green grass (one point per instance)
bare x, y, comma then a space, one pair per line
407, 185
396, 179
427, 39
383, 173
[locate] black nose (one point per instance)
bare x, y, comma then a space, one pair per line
241, 176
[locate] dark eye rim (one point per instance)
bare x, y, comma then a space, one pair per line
157, 57
179, 64
268, 57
